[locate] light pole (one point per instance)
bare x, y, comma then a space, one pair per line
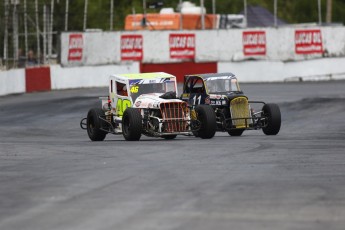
181, 19
319, 8
329, 11
144, 15
66, 15
37, 34
85, 14
245, 12
275, 13
6, 8
214, 13
202, 14
26, 27
15, 30
111, 14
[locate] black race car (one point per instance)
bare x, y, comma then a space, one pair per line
234, 112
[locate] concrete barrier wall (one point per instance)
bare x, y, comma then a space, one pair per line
277, 71
88, 76
12, 81
55, 77
100, 48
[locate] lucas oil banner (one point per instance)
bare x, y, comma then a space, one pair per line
254, 43
132, 47
75, 47
182, 46
308, 42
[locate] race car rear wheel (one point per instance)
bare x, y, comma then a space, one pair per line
169, 137
236, 132
94, 125
207, 117
132, 124
273, 119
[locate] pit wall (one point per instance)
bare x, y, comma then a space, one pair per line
55, 77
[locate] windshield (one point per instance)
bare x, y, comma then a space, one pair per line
139, 88
222, 85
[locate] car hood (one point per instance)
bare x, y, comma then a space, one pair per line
152, 100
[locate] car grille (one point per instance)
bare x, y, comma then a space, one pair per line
174, 115
240, 115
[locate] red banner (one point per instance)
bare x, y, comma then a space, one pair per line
182, 46
254, 43
132, 47
75, 48
308, 41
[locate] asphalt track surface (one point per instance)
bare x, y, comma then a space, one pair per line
53, 177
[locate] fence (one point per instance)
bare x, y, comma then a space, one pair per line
27, 35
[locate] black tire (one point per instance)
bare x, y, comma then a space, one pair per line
94, 125
207, 117
236, 132
169, 137
272, 112
132, 124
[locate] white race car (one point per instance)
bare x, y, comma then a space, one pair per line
146, 104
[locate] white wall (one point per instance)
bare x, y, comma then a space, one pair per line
87, 76
12, 81
102, 48
277, 71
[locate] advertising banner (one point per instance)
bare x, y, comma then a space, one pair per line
132, 47
308, 41
254, 43
153, 22
75, 47
182, 46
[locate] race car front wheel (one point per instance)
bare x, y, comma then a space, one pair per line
271, 113
94, 125
132, 124
207, 117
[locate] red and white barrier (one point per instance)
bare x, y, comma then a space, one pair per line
56, 77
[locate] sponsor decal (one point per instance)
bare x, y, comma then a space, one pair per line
75, 47
134, 89
215, 96
122, 105
216, 102
132, 47
182, 46
254, 43
308, 41
138, 103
